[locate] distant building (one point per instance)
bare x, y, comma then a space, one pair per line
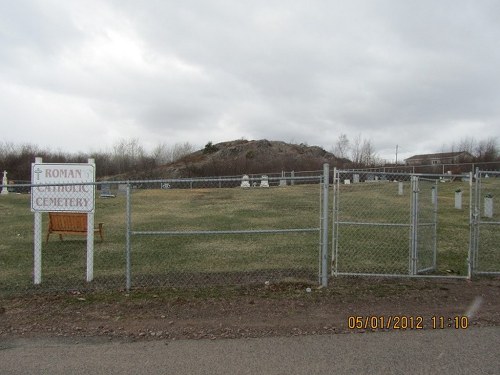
440, 158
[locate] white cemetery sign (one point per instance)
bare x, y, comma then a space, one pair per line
69, 198
76, 193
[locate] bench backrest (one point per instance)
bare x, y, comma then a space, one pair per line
68, 221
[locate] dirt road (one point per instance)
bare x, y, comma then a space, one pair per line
443, 351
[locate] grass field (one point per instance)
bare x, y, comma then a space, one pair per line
172, 260
212, 259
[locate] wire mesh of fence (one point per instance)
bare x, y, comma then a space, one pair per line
486, 231
232, 231
372, 218
248, 229
178, 232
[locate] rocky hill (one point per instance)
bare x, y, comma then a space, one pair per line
247, 157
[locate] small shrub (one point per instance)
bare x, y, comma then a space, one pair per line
210, 148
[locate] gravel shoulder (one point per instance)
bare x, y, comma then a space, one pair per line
257, 311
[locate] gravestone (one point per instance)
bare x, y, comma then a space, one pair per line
458, 200
264, 182
355, 178
245, 181
122, 189
400, 188
282, 181
106, 191
488, 207
347, 182
4, 183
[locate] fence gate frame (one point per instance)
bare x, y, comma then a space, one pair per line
416, 267
417, 206
477, 214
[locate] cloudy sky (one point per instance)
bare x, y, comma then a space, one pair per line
80, 75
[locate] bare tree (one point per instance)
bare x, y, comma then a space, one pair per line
356, 150
467, 144
181, 149
367, 153
487, 150
164, 153
128, 154
341, 147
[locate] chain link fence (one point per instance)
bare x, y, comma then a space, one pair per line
178, 232
252, 229
223, 231
486, 223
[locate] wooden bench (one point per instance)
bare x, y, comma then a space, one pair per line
70, 223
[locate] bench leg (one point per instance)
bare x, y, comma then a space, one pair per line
101, 232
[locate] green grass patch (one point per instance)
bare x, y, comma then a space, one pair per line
243, 259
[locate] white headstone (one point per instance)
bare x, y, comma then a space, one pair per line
355, 178
245, 181
488, 207
4, 183
400, 188
347, 182
264, 182
122, 189
458, 200
283, 181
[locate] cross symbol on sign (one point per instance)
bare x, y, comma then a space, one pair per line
37, 172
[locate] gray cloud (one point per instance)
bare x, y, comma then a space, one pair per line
195, 71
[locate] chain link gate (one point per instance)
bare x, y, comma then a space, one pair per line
485, 236
383, 224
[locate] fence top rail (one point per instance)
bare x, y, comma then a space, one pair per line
406, 174
483, 172
170, 180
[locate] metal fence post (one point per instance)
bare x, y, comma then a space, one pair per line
434, 232
127, 240
414, 226
475, 217
334, 222
37, 240
324, 226
472, 226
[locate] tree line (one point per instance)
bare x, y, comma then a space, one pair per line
125, 156
362, 153
128, 156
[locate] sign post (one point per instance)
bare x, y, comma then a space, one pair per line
63, 188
